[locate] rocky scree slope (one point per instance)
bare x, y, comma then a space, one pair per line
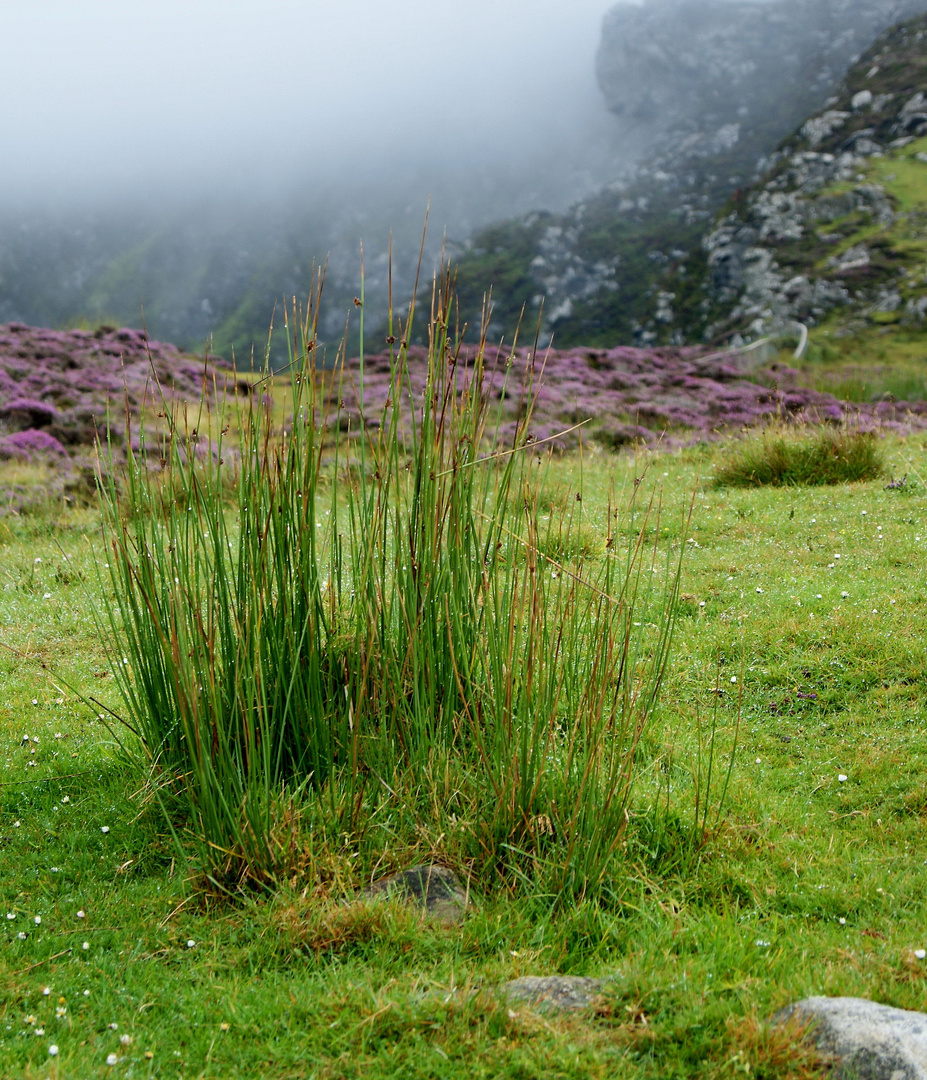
836, 231
705, 92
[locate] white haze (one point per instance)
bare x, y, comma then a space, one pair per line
109, 100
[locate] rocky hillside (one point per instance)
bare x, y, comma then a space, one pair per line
712, 89
835, 233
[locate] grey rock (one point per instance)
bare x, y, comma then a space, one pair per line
436, 889
553, 993
869, 1040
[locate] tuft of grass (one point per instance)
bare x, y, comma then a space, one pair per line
779, 457
380, 646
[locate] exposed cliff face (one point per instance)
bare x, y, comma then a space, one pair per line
835, 230
709, 89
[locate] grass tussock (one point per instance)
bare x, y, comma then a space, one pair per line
380, 627
778, 457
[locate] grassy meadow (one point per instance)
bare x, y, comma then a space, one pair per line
797, 647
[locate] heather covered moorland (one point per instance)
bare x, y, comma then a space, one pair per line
666, 729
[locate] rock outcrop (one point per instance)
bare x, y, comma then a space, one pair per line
710, 91
834, 223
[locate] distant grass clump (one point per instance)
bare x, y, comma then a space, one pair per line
777, 457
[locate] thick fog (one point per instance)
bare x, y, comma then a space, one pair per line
194, 156
104, 99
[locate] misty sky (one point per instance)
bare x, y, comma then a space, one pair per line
109, 95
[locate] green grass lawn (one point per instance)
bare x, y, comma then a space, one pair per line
799, 639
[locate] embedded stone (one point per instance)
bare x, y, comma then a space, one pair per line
553, 993
435, 889
869, 1041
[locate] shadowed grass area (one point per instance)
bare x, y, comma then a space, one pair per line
779, 457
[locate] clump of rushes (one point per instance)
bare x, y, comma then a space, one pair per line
779, 457
368, 653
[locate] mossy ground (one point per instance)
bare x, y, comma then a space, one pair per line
799, 638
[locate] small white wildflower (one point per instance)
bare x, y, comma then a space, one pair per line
46, 596
842, 921
85, 946
86, 993
35, 701
920, 953
67, 798
46, 992
61, 1011
15, 824
11, 915
40, 1031
190, 943
126, 1040
836, 554
113, 1027
844, 594
22, 935
701, 603
760, 944
104, 829
864, 512
841, 777
111, 1059
82, 914
35, 562
733, 678
758, 589
53, 1050
37, 920
758, 761
818, 596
